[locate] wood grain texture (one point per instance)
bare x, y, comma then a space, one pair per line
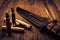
35, 6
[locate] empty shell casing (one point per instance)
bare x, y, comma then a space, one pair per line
24, 23
14, 28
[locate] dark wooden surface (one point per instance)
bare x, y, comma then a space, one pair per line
35, 6
33, 34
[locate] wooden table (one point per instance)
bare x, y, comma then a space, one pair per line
34, 33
